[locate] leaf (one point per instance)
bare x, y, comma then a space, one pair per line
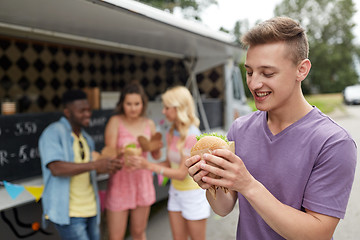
131, 145
223, 137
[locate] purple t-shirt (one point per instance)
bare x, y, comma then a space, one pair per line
310, 164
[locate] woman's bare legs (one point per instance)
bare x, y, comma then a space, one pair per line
197, 229
138, 222
182, 228
117, 223
178, 226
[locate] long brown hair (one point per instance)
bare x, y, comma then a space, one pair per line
132, 88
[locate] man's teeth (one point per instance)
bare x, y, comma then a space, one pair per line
262, 94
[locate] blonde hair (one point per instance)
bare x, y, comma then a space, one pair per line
181, 98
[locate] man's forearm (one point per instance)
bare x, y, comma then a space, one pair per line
224, 202
289, 222
68, 169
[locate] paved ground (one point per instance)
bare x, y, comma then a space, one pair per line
217, 227
349, 228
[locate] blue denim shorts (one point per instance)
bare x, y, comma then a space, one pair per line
79, 229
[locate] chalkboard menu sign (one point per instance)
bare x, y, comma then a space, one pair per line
19, 135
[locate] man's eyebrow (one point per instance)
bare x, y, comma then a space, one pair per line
267, 67
264, 67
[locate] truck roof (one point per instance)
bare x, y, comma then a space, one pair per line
118, 25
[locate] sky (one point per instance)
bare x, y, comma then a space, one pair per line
227, 12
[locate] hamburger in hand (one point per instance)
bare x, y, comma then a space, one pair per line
205, 144
131, 150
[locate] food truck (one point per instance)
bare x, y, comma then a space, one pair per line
49, 46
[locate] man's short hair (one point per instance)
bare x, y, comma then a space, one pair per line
73, 95
280, 29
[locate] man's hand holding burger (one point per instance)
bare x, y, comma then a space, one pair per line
196, 172
230, 170
231, 173
219, 167
205, 145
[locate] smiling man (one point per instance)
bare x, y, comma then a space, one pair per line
70, 198
293, 167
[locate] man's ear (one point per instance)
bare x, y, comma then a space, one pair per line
303, 69
67, 112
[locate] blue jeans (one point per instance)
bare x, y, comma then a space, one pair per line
79, 229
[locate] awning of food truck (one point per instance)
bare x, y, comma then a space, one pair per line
122, 26
119, 25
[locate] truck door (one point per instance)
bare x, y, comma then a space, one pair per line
236, 101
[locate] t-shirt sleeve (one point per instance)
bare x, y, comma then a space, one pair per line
50, 146
189, 143
229, 135
191, 140
330, 182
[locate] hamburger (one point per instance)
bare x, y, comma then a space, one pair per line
205, 144
131, 150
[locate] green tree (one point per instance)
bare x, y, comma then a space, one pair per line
190, 8
240, 27
329, 25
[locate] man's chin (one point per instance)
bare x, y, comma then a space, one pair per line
85, 124
261, 107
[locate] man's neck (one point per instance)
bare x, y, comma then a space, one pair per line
76, 131
282, 118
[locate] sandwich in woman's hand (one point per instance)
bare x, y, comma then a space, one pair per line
211, 141
131, 150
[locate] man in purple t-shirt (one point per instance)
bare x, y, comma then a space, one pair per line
293, 166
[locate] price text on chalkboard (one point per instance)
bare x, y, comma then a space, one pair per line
19, 135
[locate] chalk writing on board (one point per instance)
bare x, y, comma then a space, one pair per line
19, 136
24, 154
25, 128
100, 121
19, 129
3, 158
98, 138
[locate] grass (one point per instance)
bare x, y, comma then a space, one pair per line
327, 103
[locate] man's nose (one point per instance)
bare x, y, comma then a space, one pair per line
255, 81
88, 113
